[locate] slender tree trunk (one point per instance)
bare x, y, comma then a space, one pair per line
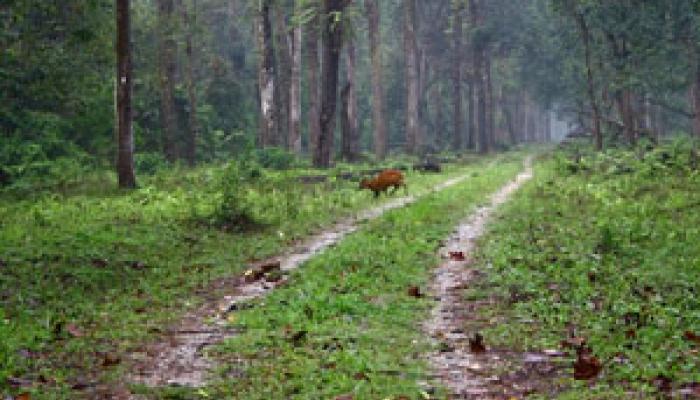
410, 49
508, 112
694, 94
585, 35
379, 123
457, 67
284, 76
332, 44
423, 75
190, 23
167, 69
471, 111
624, 101
349, 132
294, 140
234, 36
266, 75
490, 103
125, 139
312, 67
479, 81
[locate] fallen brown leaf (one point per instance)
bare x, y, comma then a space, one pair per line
344, 397
361, 376
137, 265
587, 366
110, 359
99, 262
457, 256
23, 396
414, 291
298, 337
692, 336
662, 383
476, 344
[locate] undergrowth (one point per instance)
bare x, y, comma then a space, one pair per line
603, 247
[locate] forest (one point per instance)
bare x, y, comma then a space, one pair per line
349, 199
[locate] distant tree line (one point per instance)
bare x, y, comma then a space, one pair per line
340, 79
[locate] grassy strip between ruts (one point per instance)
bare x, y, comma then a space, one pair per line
605, 249
345, 323
82, 278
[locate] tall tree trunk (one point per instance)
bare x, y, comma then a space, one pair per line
349, 133
508, 112
471, 111
586, 36
266, 75
490, 103
457, 67
167, 68
236, 55
312, 67
284, 76
294, 138
694, 94
626, 112
479, 80
332, 44
411, 50
125, 138
379, 123
190, 23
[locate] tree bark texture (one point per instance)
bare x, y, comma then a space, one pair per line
378, 121
294, 138
349, 127
694, 93
125, 138
478, 81
457, 68
189, 19
412, 92
283, 79
312, 68
167, 69
266, 75
332, 44
490, 103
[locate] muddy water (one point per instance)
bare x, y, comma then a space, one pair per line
466, 375
180, 358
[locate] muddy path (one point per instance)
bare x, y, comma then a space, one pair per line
179, 357
463, 363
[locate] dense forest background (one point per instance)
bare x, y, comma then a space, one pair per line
413, 76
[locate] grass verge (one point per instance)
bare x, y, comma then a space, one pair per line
603, 248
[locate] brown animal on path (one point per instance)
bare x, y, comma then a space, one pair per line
383, 181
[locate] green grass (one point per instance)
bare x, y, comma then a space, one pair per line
357, 330
120, 265
608, 246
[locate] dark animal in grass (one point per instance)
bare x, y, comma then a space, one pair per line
428, 166
383, 181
